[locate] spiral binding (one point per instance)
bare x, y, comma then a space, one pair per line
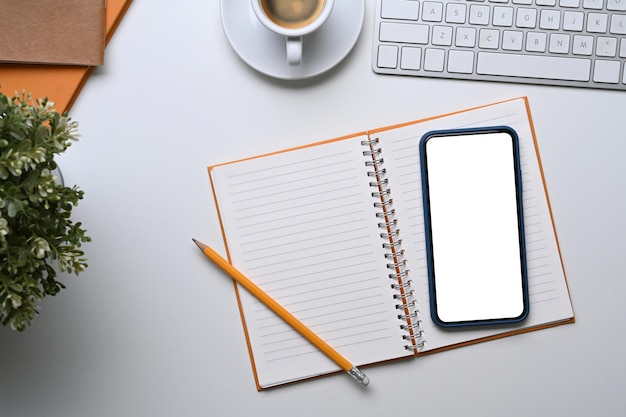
401, 283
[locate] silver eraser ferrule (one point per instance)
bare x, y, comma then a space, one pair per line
359, 376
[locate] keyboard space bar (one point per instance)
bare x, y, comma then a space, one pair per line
532, 66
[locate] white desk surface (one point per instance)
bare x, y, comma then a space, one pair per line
152, 327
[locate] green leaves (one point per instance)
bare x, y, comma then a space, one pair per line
37, 235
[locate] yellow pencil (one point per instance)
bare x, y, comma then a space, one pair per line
283, 313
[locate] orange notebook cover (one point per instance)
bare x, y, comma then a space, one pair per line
60, 83
314, 227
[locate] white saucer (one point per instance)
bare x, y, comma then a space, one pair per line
265, 51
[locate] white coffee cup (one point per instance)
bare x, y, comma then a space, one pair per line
292, 19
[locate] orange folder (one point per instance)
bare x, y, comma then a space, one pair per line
60, 83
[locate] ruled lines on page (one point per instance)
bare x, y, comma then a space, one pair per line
302, 225
549, 298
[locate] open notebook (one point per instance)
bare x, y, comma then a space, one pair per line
307, 225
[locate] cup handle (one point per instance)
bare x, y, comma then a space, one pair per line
294, 50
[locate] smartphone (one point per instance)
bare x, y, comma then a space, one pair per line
474, 224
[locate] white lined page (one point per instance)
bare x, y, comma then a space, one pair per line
548, 294
302, 225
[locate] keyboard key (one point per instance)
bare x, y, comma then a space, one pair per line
387, 56
622, 49
503, 16
461, 62
550, 19
618, 23
432, 11
569, 3
606, 72
455, 12
583, 45
512, 40
533, 66
596, 22
526, 18
536, 41
479, 15
442, 35
465, 37
433, 59
411, 58
573, 21
400, 9
489, 39
559, 43
606, 46
404, 32
616, 5
593, 4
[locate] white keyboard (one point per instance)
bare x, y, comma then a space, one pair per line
578, 43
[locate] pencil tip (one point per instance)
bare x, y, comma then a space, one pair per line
199, 244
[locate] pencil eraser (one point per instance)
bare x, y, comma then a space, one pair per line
365, 381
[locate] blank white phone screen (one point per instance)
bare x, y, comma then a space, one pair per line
475, 229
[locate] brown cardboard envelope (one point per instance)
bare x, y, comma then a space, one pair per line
52, 31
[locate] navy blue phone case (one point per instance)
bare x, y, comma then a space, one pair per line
428, 232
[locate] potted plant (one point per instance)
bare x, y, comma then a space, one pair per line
38, 238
